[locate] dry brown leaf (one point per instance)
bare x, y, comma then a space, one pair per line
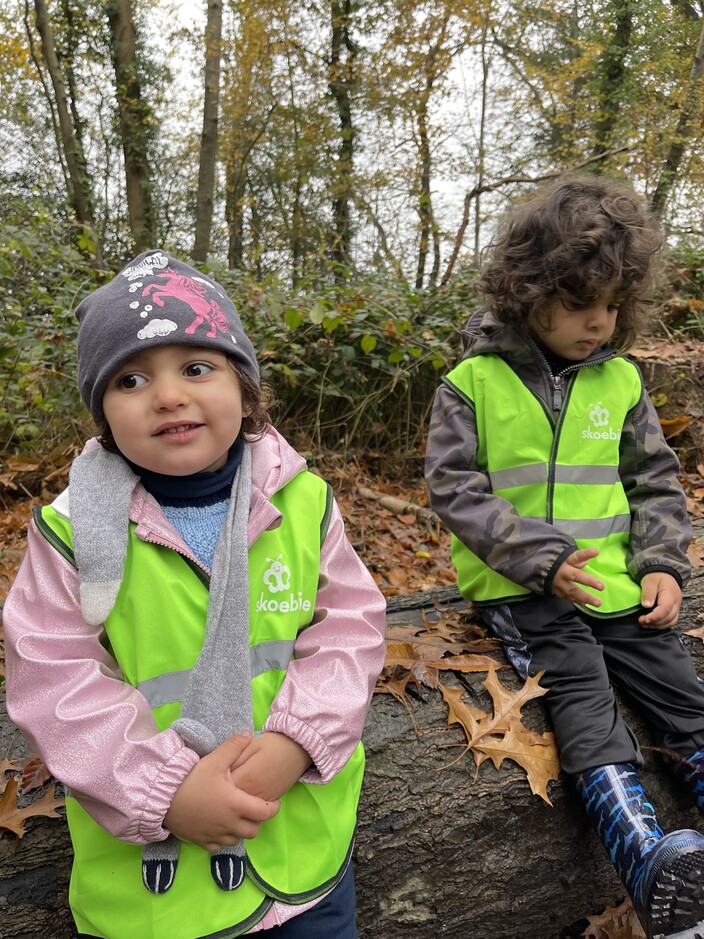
695, 553
18, 465
397, 576
536, 753
697, 633
675, 425
466, 715
502, 735
35, 775
508, 703
407, 655
6, 766
616, 922
12, 817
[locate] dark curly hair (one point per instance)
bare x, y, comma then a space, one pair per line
574, 240
258, 399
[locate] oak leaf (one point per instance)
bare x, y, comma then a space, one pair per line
616, 922
535, 753
35, 775
12, 817
502, 735
697, 633
6, 766
407, 655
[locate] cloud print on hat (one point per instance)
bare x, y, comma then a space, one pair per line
155, 300
157, 328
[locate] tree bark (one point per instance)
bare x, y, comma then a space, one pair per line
340, 82
134, 115
612, 74
683, 132
68, 141
438, 853
209, 138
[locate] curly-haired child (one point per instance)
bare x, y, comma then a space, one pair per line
547, 462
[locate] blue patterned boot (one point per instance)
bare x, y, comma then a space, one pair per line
663, 874
691, 771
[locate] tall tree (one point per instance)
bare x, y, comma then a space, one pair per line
209, 138
134, 116
611, 75
684, 130
69, 139
341, 82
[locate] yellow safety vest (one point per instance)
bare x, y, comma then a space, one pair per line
155, 633
563, 470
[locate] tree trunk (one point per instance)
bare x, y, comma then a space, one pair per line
340, 83
612, 73
683, 132
135, 116
425, 207
209, 139
437, 854
69, 142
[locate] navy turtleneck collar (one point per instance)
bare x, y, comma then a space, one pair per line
198, 488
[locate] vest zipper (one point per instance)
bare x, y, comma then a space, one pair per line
557, 395
557, 380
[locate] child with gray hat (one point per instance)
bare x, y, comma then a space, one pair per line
191, 640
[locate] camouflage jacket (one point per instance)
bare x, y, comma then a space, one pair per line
530, 551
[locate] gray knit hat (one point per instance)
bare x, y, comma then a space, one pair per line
156, 300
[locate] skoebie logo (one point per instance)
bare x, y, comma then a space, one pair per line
277, 579
599, 417
278, 576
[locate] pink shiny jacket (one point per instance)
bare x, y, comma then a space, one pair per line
97, 734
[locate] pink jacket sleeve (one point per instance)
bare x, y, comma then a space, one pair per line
323, 701
95, 732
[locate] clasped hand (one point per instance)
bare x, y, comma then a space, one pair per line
660, 592
230, 792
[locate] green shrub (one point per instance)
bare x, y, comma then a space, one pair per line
682, 312
353, 364
41, 279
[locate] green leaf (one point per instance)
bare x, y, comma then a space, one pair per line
293, 318
317, 314
368, 343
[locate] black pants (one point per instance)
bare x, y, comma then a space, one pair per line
331, 918
582, 658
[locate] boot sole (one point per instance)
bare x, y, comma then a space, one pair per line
676, 908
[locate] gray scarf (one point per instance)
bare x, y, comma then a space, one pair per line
217, 702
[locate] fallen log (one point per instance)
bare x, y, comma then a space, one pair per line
439, 853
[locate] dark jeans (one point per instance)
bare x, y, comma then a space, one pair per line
331, 918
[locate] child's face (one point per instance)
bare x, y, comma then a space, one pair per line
575, 334
175, 409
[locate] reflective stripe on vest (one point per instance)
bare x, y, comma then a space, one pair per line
155, 633
568, 469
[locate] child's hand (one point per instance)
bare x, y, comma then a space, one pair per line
660, 591
570, 575
209, 809
270, 765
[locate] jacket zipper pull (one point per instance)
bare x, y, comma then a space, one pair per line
557, 398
